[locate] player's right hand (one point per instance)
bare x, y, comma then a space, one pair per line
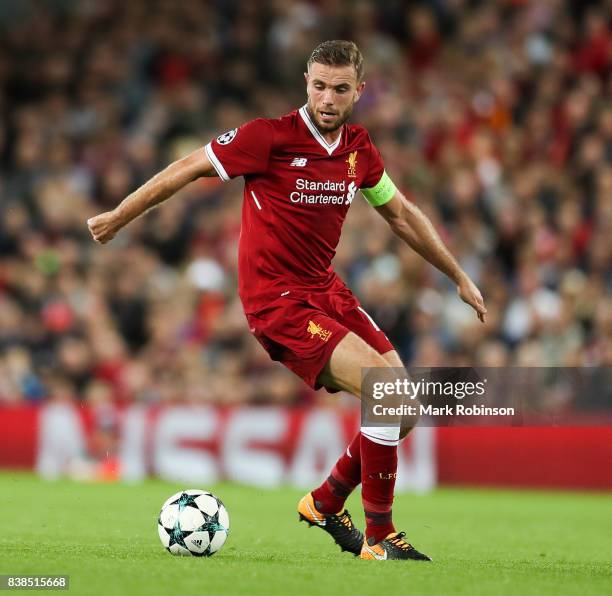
103, 227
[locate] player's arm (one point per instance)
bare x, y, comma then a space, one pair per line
162, 186
410, 224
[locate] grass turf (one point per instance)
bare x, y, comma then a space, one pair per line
483, 542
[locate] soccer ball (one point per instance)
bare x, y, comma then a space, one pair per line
193, 522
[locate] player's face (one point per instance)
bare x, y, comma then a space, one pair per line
332, 93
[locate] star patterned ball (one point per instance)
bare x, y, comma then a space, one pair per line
193, 523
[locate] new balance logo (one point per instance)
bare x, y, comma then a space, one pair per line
299, 162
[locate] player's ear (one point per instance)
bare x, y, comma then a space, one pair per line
359, 90
306, 77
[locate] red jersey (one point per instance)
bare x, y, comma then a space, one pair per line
298, 189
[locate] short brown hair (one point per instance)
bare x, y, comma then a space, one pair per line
338, 52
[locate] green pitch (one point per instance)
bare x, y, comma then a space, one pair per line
482, 542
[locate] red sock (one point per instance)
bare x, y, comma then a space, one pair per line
344, 477
378, 471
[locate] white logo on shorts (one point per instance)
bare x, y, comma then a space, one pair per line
227, 137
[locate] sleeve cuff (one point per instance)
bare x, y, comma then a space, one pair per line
215, 162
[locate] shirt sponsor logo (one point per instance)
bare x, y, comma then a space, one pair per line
299, 162
227, 137
344, 194
316, 330
350, 195
352, 164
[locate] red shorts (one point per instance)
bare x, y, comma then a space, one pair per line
302, 329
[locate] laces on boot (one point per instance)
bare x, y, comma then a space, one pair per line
398, 540
345, 519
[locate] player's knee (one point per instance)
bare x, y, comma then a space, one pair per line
387, 375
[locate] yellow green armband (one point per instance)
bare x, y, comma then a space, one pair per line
381, 193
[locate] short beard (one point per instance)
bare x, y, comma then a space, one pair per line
332, 128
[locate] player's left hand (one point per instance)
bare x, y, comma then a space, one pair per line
470, 294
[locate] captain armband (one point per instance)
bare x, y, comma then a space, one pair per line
381, 193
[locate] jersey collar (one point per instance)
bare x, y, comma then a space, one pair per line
316, 134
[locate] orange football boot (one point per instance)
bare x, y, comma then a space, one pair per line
393, 547
338, 525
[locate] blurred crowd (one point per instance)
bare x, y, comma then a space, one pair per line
495, 116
